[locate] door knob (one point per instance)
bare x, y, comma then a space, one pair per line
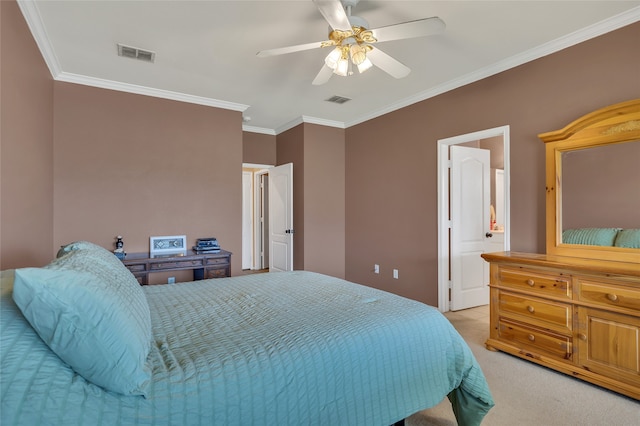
488, 235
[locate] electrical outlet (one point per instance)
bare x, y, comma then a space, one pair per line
171, 280
395, 274
376, 269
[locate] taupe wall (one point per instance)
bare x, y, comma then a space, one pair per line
290, 149
318, 157
324, 200
26, 149
258, 148
139, 166
391, 161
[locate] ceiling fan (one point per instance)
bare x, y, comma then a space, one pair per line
353, 41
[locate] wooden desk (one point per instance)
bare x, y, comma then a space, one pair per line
204, 265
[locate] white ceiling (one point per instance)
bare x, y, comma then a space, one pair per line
206, 50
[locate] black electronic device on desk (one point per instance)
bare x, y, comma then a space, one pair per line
207, 245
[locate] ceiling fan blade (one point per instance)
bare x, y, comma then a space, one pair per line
387, 64
323, 76
288, 49
411, 29
334, 13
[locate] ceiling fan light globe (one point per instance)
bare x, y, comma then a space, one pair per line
358, 54
343, 68
332, 58
365, 65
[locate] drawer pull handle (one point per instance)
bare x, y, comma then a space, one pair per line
532, 337
582, 336
531, 282
612, 297
531, 309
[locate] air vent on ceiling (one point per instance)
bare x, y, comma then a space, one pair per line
136, 53
337, 99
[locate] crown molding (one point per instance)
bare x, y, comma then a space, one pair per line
287, 126
262, 130
32, 16
293, 123
148, 91
323, 122
611, 24
311, 120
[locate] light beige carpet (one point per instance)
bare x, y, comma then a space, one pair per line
528, 394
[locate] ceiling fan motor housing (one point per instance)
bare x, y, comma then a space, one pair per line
350, 3
357, 21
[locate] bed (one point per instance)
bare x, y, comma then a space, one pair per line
286, 348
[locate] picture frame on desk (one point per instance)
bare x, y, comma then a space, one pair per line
170, 244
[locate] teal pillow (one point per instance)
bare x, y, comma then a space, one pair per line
628, 238
81, 245
90, 310
590, 236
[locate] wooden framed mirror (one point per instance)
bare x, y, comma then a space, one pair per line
593, 185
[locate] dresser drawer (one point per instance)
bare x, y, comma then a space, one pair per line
183, 264
535, 340
217, 273
218, 261
607, 294
532, 280
543, 313
137, 268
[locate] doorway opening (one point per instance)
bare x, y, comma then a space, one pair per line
495, 140
267, 213
255, 217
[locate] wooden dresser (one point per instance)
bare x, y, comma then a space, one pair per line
576, 309
577, 316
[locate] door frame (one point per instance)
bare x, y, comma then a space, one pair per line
444, 223
258, 221
264, 169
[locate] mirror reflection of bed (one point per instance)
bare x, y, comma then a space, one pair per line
600, 193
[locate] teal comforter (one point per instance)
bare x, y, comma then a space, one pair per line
285, 348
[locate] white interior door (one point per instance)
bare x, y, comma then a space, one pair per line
247, 219
470, 223
281, 218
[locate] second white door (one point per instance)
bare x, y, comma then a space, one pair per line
281, 218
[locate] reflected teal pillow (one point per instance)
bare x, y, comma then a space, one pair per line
93, 314
628, 238
590, 236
